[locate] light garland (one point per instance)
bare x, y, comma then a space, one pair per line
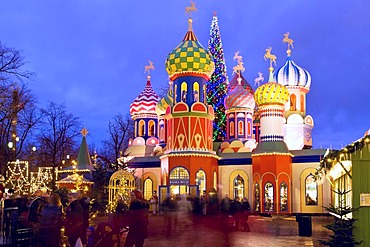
18, 176
216, 86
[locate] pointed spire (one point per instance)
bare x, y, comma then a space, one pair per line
148, 80
190, 34
271, 74
83, 159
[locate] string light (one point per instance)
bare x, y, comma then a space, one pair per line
216, 86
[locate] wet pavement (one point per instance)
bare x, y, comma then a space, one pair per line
206, 231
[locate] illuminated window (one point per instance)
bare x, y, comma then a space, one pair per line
256, 197
283, 197
179, 181
240, 128
148, 188
184, 91
249, 129
292, 102
151, 128
311, 190
141, 128
200, 179
161, 133
269, 197
238, 187
196, 91
231, 128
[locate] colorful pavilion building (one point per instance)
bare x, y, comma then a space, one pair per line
267, 155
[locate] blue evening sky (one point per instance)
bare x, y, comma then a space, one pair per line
91, 54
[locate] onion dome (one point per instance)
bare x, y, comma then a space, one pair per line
290, 74
165, 102
240, 97
145, 102
234, 82
189, 57
271, 93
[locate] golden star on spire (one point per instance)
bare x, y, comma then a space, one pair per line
84, 132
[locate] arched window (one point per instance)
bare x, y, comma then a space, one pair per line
293, 100
205, 94
302, 103
196, 91
141, 128
240, 127
231, 128
249, 128
256, 197
238, 187
283, 197
269, 197
175, 94
184, 91
200, 179
179, 181
215, 180
148, 188
161, 133
151, 128
311, 190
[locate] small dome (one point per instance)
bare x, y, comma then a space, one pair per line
234, 82
189, 57
239, 98
271, 93
291, 74
165, 102
145, 102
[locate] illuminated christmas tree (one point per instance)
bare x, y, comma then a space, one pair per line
217, 85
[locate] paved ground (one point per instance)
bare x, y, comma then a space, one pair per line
205, 231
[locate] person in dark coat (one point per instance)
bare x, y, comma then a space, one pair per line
51, 221
245, 212
137, 217
85, 204
235, 211
119, 214
74, 220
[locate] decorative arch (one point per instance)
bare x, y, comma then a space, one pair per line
283, 197
196, 91
240, 127
200, 180
243, 185
231, 128
151, 128
308, 185
121, 183
256, 197
268, 191
141, 127
293, 103
150, 184
179, 180
184, 91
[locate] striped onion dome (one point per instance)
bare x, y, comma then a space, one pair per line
271, 93
165, 102
145, 102
240, 97
189, 57
290, 74
234, 82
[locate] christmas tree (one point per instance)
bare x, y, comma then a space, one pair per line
217, 85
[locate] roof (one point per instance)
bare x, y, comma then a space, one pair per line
145, 162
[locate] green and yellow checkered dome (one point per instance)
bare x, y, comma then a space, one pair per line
189, 57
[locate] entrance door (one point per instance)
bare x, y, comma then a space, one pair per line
179, 181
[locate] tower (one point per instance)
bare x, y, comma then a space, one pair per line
189, 162
142, 111
299, 125
271, 160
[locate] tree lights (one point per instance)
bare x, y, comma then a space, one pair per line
216, 86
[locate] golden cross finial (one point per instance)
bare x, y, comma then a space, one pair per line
84, 132
191, 8
149, 67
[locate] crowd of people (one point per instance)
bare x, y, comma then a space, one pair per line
47, 216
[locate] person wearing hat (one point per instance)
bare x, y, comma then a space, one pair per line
154, 202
